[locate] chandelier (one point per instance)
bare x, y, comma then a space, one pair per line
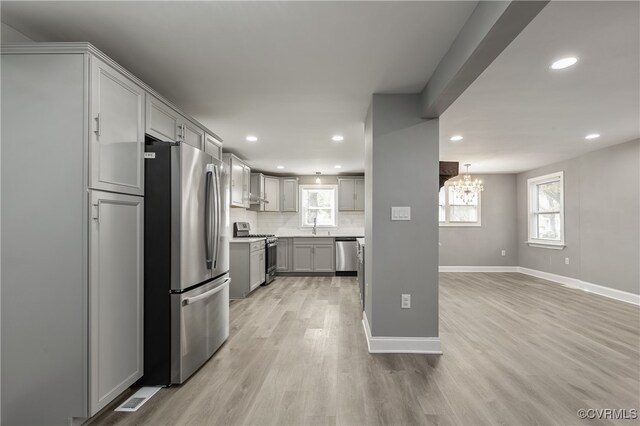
467, 189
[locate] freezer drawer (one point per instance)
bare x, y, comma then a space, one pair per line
202, 327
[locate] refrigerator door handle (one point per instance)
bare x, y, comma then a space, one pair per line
207, 218
207, 294
218, 212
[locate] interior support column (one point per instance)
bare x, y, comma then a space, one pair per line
401, 170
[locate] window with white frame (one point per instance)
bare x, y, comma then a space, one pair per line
319, 204
454, 210
546, 209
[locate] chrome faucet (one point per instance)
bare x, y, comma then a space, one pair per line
315, 226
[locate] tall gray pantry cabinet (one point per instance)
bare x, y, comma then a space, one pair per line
72, 232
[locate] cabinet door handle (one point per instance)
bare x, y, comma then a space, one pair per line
97, 215
98, 130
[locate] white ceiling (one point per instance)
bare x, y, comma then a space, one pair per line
519, 114
291, 73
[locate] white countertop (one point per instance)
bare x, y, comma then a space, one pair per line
321, 234
246, 240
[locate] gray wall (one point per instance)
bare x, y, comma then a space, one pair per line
602, 219
11, 35
482, 246
401, 163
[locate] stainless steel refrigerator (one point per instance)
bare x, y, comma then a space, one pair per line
186, 272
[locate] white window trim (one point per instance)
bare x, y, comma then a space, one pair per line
448, 224
301, 210
531, 185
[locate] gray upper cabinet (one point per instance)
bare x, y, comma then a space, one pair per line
289, 194
246, 182
115, 292
190, 133
272, 194
213, 147
162, 120
359, 202
117, 133
351, 194
256, 192
240, 181
265, 193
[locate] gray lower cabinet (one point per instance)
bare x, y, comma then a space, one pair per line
115, 295
284, 253
313, 255
246, 267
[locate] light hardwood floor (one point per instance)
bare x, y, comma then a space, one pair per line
517, 350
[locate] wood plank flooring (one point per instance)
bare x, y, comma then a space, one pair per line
517, 351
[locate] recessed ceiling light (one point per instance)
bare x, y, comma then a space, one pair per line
337, 138
592, 136
252, 138
564, 63
337, 166
279, 167
456, 138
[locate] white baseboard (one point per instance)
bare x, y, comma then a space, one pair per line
478, 269
400, 345
560, 279
575, 283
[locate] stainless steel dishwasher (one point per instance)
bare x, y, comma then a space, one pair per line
346, 256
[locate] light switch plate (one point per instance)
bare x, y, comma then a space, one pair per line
400, 213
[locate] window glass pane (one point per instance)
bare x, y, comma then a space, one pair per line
441, 214
548, 226
457, 199
319, 204
463, 213
321, 198
548, 197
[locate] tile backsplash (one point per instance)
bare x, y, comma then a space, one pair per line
243, 215
288, 223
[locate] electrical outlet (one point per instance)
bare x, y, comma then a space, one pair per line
566, 260
406, 301
504, 253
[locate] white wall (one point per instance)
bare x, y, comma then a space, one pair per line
11, 35
243, 215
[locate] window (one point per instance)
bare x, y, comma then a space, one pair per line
454, 211
546, 210
318, 202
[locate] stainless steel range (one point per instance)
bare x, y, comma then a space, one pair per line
243, 230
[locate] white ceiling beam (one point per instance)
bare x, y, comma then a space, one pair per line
492, 26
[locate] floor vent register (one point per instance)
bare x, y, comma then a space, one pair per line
138, 399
